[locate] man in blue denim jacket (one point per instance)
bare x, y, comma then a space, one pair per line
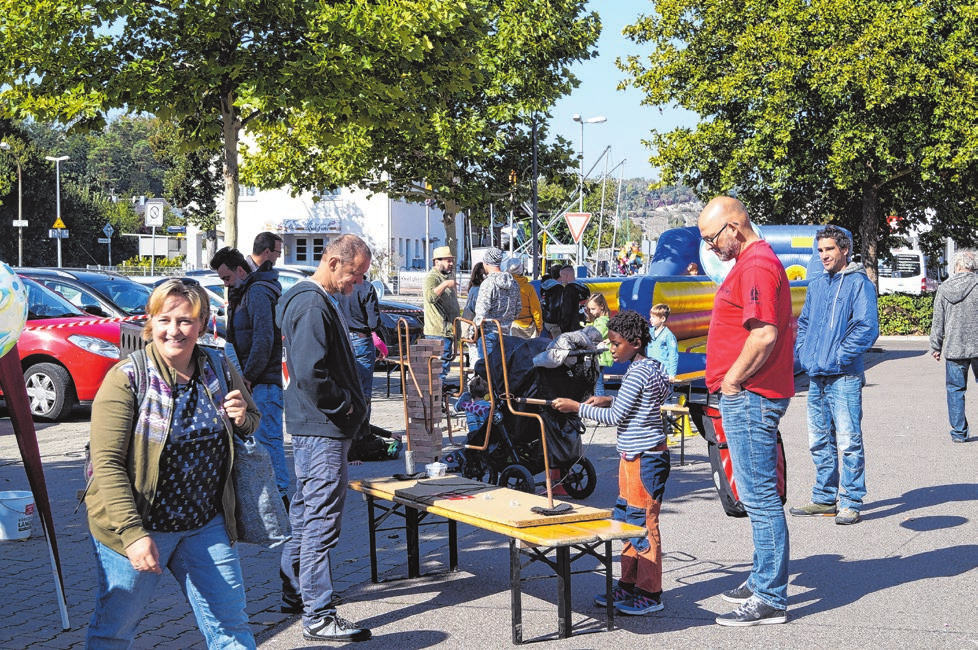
838, 323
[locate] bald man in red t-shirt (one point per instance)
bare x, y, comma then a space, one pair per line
749, 361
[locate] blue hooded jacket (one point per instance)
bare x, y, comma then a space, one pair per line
838, 323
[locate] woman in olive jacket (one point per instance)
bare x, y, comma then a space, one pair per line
161, 494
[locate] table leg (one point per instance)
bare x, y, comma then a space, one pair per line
413, 544
609, 586
373, 539
452, 545
516, 589
564, 623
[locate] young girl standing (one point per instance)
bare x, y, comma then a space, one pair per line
598, 315
644, 465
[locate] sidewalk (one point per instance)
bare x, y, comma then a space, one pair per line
903, 578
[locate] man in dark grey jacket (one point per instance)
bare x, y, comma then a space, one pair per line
953, 334
324, 411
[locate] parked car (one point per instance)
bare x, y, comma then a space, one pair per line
104, 294
64, 361
219, 305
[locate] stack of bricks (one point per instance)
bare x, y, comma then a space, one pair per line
425, 443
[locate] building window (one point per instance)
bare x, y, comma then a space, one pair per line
301, 250
400, 248
330, 195
247, 193
318, 246
417, 248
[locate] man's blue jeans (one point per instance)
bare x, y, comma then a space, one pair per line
206, 567
316, 515
446, 355
956, 374
366, 355
751, 424
835, 413
270, 402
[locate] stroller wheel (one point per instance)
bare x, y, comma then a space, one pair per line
518, 478
580, 480
480, 470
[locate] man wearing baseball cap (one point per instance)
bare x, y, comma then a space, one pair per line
441, 304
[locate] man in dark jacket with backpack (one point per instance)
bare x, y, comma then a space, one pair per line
257, 342
325, 410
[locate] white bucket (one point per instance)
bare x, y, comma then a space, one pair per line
16, 514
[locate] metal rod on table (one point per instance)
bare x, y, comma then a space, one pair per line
543, 430
492, 394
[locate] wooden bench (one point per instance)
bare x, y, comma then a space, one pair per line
587, 531
672, 414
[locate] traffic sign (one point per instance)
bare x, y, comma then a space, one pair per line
105, 240
176, 229
108, 230
59, 224
154, 212
577, 222
57, 233
20, 223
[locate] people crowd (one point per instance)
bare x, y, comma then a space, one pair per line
163, 426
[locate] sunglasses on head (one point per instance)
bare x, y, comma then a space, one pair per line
189, 282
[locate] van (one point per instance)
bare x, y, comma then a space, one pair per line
906, 273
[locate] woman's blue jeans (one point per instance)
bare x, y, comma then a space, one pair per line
751, 424
835, 413
207, 568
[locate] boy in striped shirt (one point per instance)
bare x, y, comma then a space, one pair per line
644, 465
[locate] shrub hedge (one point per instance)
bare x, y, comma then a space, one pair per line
904, 315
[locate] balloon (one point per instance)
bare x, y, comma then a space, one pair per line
13, 308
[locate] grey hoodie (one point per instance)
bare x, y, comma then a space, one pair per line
953, 332
499, 298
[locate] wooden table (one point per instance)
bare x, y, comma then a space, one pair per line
587, 531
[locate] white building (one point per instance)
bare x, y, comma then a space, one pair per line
394, 229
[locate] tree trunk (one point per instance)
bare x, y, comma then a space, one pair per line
869, 230
448, 219
232, 125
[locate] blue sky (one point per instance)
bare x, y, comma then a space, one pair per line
628, 121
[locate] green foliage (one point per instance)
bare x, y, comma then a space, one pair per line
161, 263
818, 111
905, 315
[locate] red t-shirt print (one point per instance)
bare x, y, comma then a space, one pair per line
756, 288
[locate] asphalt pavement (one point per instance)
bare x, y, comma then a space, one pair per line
905, 577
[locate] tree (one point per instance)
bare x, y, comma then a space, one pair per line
462, 147
217, 66
819, 110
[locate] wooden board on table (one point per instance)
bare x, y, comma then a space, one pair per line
467, 497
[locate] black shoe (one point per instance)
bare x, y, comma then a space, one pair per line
738, 595
334, 628
751, 613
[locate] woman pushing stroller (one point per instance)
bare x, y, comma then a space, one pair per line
644, 465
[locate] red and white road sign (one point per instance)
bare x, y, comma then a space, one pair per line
577, 222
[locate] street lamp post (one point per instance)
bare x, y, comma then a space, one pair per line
20, 206
57, 183
582, 121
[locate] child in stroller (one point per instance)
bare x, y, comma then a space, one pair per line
508, 450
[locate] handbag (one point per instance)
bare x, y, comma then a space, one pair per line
259, 512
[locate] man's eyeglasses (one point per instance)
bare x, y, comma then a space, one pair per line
710, 241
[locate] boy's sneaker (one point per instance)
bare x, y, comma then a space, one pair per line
618, 595
640, 605
814, 510
753, 612
334, 628
738, 595
847, 516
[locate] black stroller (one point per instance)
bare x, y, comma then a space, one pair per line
507, 448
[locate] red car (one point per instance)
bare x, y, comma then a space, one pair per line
64, 361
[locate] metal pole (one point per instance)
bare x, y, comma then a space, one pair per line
604, 185
511, 232
152, 256
614, 237
427, 236
57, 190
534, 227
20, 216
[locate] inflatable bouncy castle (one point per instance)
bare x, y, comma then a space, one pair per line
691, 297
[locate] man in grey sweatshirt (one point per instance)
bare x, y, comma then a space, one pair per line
953, 334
